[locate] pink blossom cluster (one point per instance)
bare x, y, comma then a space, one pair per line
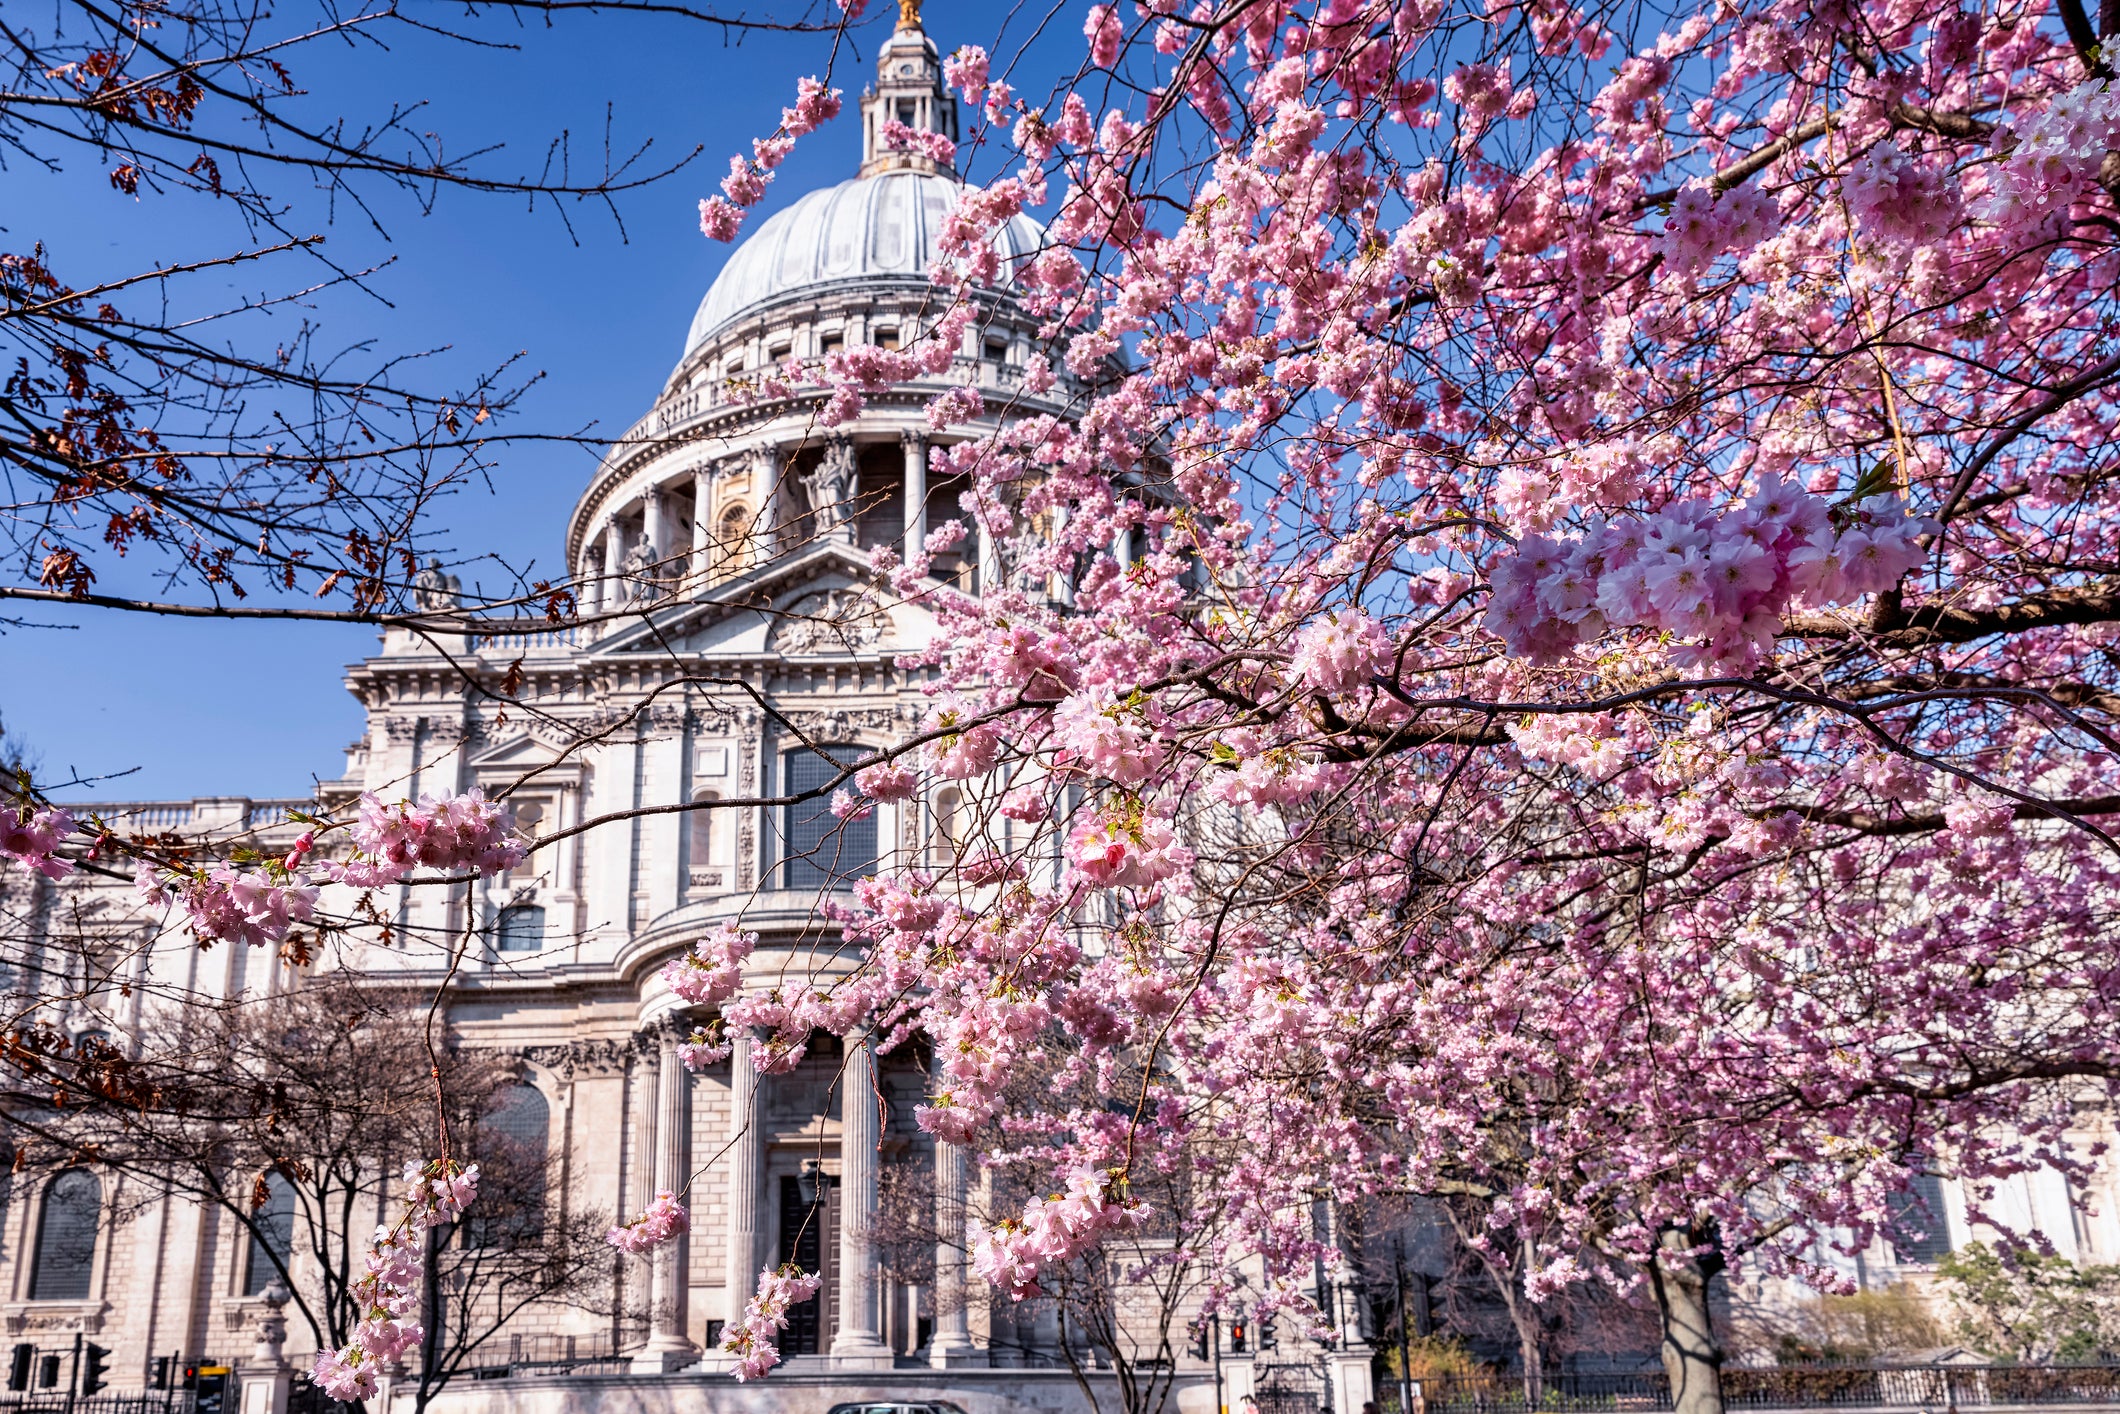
755, 1340
1010, 1254
960, 755
1105, 32
1704, 224
464, 831
903, 137
1094, 730
2053, 157
721, 217
966, 71
1896, 199
389, 1293
31, 838
1720, 583
789, 1019
887, 780
850, 805
1125, 849
700, 1050
1341, 652
663, 1220
227, 904
711, 970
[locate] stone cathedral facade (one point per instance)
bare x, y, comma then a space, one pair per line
726, 542
734, 644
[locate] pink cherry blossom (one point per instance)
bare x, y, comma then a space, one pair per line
711, 971
390, 1292
1342, 651
31, 837
662, 1221
754, 1340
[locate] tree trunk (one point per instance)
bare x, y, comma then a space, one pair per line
1692, 1358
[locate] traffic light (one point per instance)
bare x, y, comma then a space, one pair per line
161, 1379
95, 1368
210, 1390
18, 1368
48, 1372
1266, 1335
1236, 1336
1200, 1341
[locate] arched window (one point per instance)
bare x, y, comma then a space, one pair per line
514, 1142
732, 540
710, 838
948, 834
521, 928
822, 851
66, 1237
271, 1235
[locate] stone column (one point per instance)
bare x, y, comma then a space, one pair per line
772, 501
668, 1347
745, 1152
859, 1344
608, 594
651, 524
915, 491
703, 551
952, 1341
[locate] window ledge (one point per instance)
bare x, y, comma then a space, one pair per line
21, 1317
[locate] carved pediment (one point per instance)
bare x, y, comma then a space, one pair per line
831, 621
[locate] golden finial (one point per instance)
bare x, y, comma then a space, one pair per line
909, 14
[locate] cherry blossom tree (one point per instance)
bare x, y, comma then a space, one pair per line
1571, 665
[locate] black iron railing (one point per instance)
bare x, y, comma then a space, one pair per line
55, 1402
1937, 1387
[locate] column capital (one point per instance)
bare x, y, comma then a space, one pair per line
913, 439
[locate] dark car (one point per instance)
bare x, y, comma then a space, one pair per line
930, 1406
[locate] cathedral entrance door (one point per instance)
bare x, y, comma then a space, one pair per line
809, 1237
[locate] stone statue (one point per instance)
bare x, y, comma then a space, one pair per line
909, 14
832, 489
433, 590
643, 574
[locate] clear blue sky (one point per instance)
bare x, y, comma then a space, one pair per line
200, 708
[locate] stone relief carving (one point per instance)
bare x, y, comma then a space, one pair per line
588, 1057
841, 723
831, 621
85, 1316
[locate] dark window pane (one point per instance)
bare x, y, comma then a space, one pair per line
823, 852
66, 1237
272, 1232
1917, 1228
514, 1141
522, 928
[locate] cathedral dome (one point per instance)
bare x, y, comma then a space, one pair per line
861, 232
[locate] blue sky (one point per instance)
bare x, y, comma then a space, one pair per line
189, 708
